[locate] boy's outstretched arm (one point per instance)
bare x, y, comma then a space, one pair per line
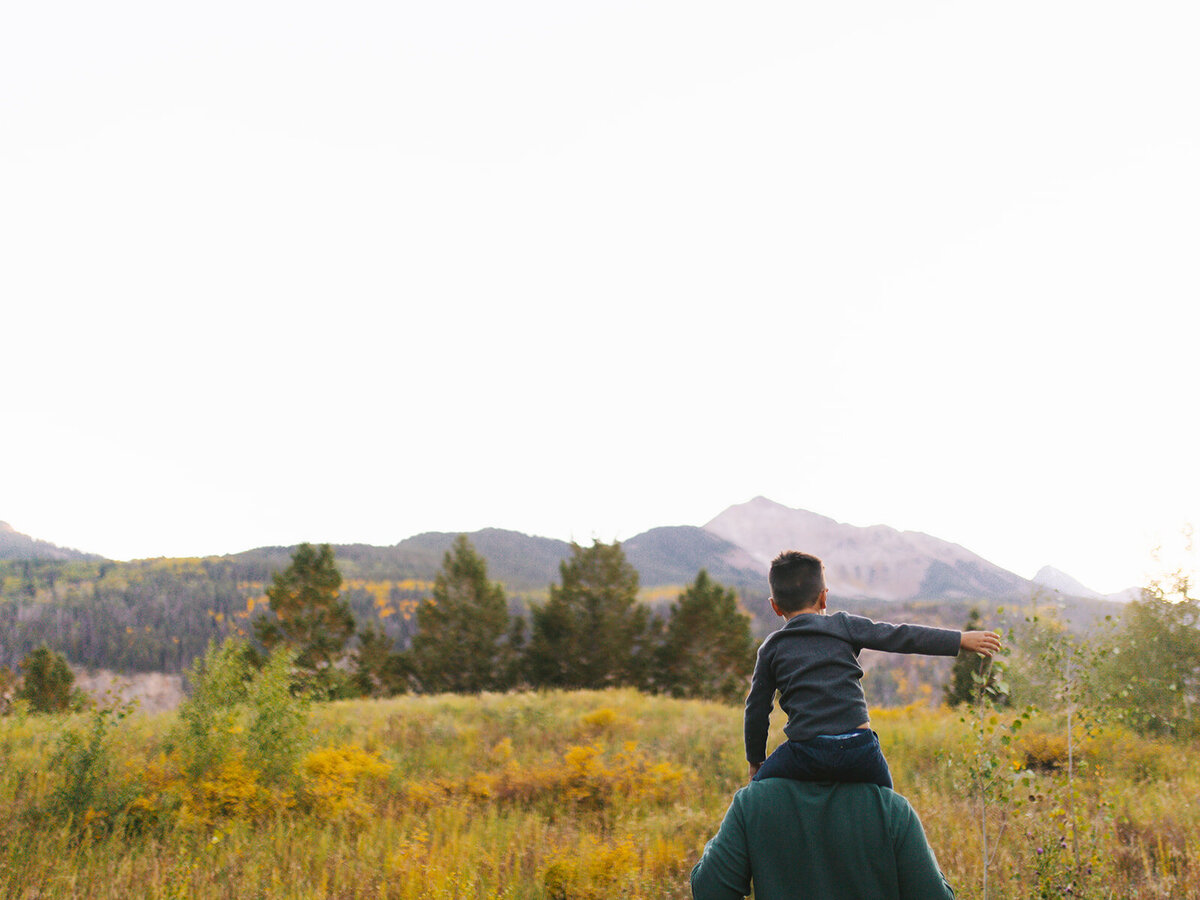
986, 643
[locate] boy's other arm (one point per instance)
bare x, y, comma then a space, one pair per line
985, 643
757, 717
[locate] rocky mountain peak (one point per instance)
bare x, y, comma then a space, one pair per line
870, 562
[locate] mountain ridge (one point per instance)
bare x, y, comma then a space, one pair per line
875, 562
15, 545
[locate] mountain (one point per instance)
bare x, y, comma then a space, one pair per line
15, 545
673, 555
520, 561
876, 562
1060, 582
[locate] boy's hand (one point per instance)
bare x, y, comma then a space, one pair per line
984, 643
754, 767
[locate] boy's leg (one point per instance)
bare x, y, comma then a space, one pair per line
791, 759
855, 757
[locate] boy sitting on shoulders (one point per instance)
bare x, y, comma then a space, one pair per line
813, 662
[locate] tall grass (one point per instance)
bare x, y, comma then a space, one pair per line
552, 796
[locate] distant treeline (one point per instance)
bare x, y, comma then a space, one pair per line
457, 631
159, 615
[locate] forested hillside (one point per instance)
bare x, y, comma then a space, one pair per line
160, 614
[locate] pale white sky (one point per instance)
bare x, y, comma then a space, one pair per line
273, 272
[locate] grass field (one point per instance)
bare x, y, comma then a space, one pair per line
555, 795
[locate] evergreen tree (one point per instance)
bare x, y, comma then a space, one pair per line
310, 616
708, 650
47, 681
379, 671
592, 633
462, 641
962, 687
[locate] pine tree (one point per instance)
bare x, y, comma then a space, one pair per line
310, 616
379, 670
591, 633
962, 687
463, 642
708, 650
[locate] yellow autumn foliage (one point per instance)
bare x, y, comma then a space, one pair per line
585, 776
230, 791
333, 776
593, 870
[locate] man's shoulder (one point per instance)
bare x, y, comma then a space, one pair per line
769, 792
801, 809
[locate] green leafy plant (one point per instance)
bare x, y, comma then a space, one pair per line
87, 793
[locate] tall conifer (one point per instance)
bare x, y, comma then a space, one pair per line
708, 650
462, 642
310, 615
592, 633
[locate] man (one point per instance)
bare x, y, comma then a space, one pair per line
796, 839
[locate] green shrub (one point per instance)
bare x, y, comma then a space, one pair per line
87, 793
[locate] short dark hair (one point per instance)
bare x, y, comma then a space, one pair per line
797, 580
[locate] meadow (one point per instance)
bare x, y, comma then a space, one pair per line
551, 796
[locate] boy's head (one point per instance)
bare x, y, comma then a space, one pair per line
797, 580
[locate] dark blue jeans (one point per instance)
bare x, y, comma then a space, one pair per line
856, 756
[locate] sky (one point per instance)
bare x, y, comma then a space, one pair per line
274, 272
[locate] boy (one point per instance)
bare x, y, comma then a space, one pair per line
813, 662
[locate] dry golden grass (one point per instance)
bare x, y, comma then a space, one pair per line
562, 795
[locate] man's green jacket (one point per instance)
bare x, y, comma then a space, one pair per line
799, 840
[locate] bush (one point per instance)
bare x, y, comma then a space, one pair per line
332, 777
240, 735
1043, 752
47, 682
87, 794
208, 719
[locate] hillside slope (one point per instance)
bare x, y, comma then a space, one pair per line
15, 545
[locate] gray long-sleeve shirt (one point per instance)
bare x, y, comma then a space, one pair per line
813, 662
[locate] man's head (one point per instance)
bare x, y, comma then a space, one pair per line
797, 581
